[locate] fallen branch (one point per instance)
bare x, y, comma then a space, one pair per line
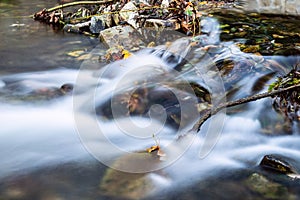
77, 3
124, 11
215, 110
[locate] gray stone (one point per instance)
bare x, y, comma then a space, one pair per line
97, 24
108, 17
76, 28
129, 14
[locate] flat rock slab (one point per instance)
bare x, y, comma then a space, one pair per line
124, 36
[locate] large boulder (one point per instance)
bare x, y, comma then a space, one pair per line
124, 36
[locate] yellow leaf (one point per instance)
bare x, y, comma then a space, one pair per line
153, 148
126, 54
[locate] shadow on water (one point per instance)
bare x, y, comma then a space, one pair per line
44, 157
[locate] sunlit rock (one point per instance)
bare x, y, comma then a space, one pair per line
278, 164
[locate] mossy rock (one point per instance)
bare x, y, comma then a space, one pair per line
268, 189
125, 185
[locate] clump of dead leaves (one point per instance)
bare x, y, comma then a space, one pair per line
288, 102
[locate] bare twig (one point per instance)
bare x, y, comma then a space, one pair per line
215, 110
77, 3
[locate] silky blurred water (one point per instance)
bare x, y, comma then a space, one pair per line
48, 149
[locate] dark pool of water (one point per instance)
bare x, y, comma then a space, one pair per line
27, 45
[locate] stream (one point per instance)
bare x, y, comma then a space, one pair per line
92, 141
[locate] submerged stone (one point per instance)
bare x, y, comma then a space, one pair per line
27, 91
126, 185
267, 189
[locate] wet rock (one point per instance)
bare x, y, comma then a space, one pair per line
72, 180
30, 91
131, 185
97, 24
77, 28
173, 97
43, 94
66, 88
124, 36
53, 92
267, 189
125, 185
233, 70
278, 164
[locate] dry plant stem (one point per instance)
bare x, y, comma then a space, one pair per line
213, 111
77, 3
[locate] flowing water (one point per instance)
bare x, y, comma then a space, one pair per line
62, 146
